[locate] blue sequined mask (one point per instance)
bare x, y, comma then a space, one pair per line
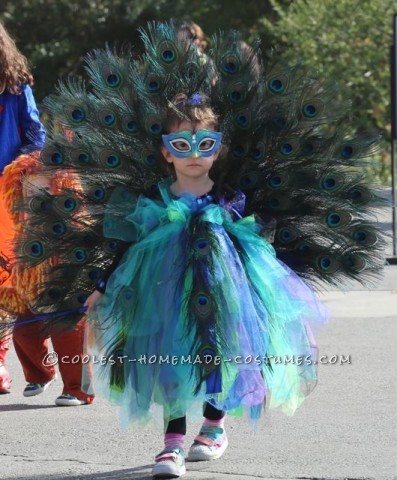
185, 144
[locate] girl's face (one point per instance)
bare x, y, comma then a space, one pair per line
196, 160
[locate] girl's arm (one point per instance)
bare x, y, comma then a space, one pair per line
32, 131
91, 301
101, 284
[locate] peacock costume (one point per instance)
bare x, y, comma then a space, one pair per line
201, 306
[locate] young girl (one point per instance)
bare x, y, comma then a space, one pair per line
20, 132
197, 310
198, 305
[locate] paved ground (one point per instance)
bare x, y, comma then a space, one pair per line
345, 430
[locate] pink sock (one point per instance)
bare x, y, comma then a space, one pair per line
214, 423
174, 440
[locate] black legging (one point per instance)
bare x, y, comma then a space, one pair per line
178, 425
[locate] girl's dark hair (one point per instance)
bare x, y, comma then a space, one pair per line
195, 109
192, 32
14, 68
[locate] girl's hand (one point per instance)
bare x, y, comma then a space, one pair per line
92, 300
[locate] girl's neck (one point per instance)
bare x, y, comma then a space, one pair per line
197, 186
2, 87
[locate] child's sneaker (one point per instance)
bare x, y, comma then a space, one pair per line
67, 400
209, 444
33, 389
170, 463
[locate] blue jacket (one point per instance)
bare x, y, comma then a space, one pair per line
20, 128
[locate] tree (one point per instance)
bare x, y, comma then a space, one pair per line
215, 15
55, 34
346, 40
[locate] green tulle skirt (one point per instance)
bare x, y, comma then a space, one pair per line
199, 309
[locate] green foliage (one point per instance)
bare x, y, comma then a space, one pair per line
215, 15
55, 34
349, 41
346, 40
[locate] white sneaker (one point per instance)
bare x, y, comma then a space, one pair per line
170, 463
33, 389
209, 444
67, 400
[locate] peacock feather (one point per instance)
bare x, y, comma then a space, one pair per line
289, 148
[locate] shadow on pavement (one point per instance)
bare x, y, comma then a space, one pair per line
137, 473
23, 406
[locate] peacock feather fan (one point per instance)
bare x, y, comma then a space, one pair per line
288, 143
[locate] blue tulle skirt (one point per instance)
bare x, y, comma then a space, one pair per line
199, 309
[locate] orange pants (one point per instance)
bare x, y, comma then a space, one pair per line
31, 346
